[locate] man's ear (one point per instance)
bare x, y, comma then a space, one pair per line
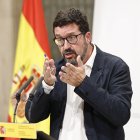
88, 37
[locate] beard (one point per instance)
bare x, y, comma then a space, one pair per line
73, 60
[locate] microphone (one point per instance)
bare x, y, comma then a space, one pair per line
24, 86
33, 92
18, 95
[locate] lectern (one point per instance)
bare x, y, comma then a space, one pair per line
22, 131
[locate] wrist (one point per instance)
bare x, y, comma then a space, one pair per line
46, 87
49, 83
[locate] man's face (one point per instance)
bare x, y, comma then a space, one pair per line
74, 42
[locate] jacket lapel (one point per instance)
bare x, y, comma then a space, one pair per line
98, 65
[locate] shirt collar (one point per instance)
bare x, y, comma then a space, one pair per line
91, 59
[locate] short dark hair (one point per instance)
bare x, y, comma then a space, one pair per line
71, 16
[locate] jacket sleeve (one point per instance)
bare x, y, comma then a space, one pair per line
38, 107
113, 102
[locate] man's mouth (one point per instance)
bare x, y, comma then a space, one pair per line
69, 55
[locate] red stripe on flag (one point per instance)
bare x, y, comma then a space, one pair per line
33, 12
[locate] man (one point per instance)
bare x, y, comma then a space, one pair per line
88, 93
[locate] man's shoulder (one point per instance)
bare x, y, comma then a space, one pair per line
109, 58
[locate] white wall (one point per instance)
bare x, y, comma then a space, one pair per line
116, 29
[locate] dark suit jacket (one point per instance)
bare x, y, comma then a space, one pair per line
106, 94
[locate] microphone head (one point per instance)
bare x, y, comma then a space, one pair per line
24, 86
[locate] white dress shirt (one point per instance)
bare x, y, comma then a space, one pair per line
73, 122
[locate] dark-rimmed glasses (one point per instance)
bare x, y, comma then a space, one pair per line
72, 39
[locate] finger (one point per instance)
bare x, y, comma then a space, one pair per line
79, 61
52, 66
70, 67
69, 70
64, 69
48, 72
62, 76
51, 63
46, 57
46, 63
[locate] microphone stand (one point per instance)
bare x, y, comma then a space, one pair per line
15, 110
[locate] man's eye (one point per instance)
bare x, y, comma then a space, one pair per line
59, 39
71, 37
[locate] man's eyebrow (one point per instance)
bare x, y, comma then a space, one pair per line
69, 34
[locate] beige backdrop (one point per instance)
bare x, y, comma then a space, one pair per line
9, 17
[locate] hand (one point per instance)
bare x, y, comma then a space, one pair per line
73, 75
49, 71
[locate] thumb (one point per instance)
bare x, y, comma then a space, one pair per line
79, 61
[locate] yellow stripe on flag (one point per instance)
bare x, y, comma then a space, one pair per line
28, 52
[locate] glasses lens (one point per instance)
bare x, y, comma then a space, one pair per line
59, 41
72, 39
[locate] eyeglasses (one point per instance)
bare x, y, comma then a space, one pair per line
70, 39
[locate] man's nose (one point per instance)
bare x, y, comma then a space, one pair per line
66, 44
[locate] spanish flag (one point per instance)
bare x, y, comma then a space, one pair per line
32, 44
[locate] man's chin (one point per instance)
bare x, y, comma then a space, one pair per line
72, 61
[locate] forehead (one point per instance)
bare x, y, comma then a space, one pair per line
66, 30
